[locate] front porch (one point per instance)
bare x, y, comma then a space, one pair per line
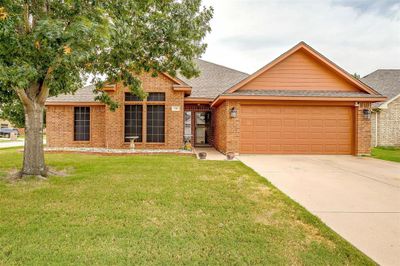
198, 126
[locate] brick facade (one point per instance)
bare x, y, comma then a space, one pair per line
60, 125
226, 128
220, 124
363, 140
107, 127
386, 125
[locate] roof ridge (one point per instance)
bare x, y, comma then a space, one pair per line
370, 74
212, 63
381, 70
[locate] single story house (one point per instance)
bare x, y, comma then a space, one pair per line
385, 115
5, 124
300, 103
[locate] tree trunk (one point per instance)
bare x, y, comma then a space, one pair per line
34, 163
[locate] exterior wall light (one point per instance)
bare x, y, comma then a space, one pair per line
367, 114
233, 112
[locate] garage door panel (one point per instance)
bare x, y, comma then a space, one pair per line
287, 135
275, 147
337, 129
260, 122
303, 123
247, 136
288, 122
261, 136
275, 122
344, 149
247, 148
316, 122
302, 135
296, 129
260, 147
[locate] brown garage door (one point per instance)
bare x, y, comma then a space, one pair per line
296, 129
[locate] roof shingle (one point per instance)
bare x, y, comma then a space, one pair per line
213, 80
84, 94
384, 81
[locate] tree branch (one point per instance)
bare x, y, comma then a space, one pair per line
24, 97
44, 90
26, 18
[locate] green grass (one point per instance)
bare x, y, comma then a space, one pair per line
386, 153
158, 210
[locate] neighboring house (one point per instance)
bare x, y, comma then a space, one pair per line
300, 103
5, 124
386, 115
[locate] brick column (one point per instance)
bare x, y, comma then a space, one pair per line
363, 130
114, 121
233, 128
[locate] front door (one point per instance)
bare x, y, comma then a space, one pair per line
202, 125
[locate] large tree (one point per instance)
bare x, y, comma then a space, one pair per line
51, 47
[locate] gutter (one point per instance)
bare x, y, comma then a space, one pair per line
296, 98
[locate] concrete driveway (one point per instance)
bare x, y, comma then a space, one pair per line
357, 197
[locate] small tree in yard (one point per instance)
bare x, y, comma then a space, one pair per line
52, 47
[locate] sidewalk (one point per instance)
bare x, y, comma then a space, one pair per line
9, 144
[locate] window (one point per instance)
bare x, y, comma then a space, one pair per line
188, 124
156, 97
155, 118
81, 123
129, 97
155, 123
133, 122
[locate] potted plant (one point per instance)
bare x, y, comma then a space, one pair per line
230, 155
202, 155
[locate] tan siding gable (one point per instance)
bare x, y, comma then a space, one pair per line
300, 71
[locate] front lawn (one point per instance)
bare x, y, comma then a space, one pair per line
386, 153
158, 210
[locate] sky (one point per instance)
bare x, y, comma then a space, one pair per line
358, 35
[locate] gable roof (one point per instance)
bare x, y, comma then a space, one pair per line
386, 82
213, 80
303, 46
83, 95
179, 82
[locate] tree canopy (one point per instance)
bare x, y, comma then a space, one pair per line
52, 47
60, 44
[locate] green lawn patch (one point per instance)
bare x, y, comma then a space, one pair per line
158, 210
386, 153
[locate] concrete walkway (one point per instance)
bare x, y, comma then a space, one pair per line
212, 154
357, 197
9, 144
